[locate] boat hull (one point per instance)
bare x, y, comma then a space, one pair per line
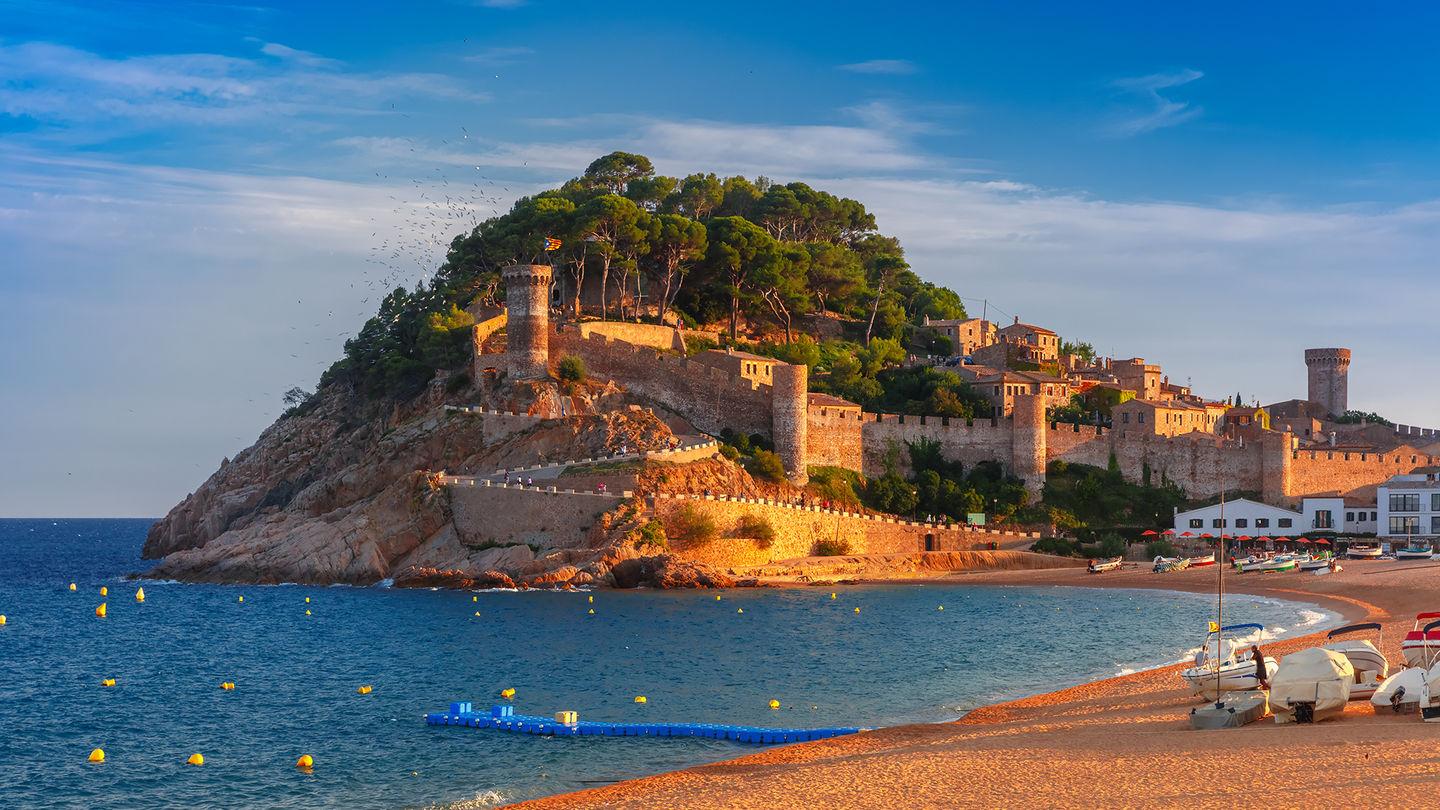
1236, 677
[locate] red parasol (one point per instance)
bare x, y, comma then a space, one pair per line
1168, 531
1148, 533
1323, 542
1188, 534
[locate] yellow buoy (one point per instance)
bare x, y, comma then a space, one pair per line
740, 610
592, 610
140, 595
242, 599
2, 620
98, 755
832, 596
942, 607
640, 699
108, 682
307, 600
717, 599
104, 591
195, 759
857, 610
72, 586
305, 762
506, 693
592, 599
100, 611
477, 599
227, 685
477, 613
307, 613
364, 690
774, 704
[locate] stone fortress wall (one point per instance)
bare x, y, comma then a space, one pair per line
831, 433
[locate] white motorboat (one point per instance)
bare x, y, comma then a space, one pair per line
1218, 670
1406, 686
1364, 656
1208, 559
1283, 562
1310, 686
1363, 552
1316, 562
1101, 566
1414, 553
1421, 646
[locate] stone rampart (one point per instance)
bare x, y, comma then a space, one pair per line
710, 399
799, 529
1352, 475
637, 334
485, 513
833, 438
1200, 465
967, 442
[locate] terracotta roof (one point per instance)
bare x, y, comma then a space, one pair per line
827, 401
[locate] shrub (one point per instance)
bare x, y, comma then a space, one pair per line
739, 441
766, 466
758, 529
652, 533
690, 526
1111, 545
457, 383
1054, 545
832, 548
729, 452
1159, 548
572, 369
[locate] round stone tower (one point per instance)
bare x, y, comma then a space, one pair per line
790, 422
527, 320
1329, 371
1028, 442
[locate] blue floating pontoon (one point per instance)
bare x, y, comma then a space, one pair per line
505, 719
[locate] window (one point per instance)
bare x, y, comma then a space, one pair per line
1125, 418
1435, 524
1283, 523
1241, 523
1140, 417
1350, 517
1322, 519
1374, 515
1404, 503
1404, 525
1217, 523
1435, 502
1197, 523
1262, 523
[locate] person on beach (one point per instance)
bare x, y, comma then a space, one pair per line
1259, 659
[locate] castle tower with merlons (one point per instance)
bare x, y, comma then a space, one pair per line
527, 301
1328, 371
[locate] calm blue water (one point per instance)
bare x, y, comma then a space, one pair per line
696, 659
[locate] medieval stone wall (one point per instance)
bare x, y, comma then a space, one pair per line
1352, 475
708, 398
638, 334
833, 438
968, 443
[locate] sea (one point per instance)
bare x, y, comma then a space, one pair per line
872, 655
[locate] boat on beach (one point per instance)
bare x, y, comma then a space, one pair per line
1101, 566
1414, 553
1421, 646
1317, 561
1284, 562
1310, 686
1219, 670
1365, 657
1208, 559
1363, 552
1167, 564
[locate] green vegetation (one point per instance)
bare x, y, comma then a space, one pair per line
832, 548
1095, 503
756, 528
1354, 417
837, 485
1159, 548
572, 369
652, 533
690, 527
766, 466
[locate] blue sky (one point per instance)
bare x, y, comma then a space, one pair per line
188, 193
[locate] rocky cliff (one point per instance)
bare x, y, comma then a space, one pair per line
346, 491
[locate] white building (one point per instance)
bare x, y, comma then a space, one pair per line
1246, 517
1409, 506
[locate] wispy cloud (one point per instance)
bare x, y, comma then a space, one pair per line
56, 84
499, 57
1163, 111
893, 67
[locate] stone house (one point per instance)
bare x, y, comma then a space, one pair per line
741, 364
1165, 417
1002, 387
1135, 375
1032, 343
966, 334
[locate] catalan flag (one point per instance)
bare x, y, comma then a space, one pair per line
551, 243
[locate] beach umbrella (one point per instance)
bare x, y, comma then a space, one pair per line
1188, 534
1323, 542
1169, 531
1148, 533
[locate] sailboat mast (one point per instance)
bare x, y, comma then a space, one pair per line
1220, 596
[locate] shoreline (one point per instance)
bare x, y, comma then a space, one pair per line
1117, 741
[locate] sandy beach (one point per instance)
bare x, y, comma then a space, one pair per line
1118, 743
